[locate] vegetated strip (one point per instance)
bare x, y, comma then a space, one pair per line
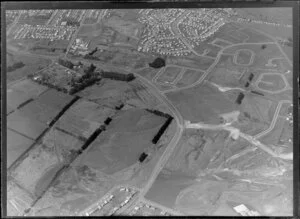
63, 110
69, 133
159, 113
23, 104
258, 93
162, 130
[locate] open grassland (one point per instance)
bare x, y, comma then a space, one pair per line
201, 103
274, 136
255, 114
108, 92
201, 63
230, 33
21, 92
226, 73
281, 15
128, 27
90, 30
148, 72
244, 57
31, 65
84, 117
189, 77
196, 150
16, 145
271, 82
33, 118
169, 75
261, 53
17, 196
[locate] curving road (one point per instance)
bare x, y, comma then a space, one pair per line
235, 133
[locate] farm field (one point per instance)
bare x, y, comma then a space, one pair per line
33, 118
108, 92
16, 145
83, 118
128, 135
22, 91
31, 65
47, 158
83, 184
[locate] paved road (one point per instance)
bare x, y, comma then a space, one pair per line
213, 65
237, 133
274, 120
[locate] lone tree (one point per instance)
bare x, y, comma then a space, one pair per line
263, 46
158, 63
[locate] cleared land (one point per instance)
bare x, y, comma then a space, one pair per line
244, 57
220, 42
189, 77
255, 114
148, 72
196, 150
226, 73
125, 26
39, 161
230, 33
262, 53
169, 75
201, 103
271, 82
201, 63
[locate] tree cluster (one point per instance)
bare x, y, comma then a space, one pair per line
15, 66
88, 79
66, 63
158, 63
